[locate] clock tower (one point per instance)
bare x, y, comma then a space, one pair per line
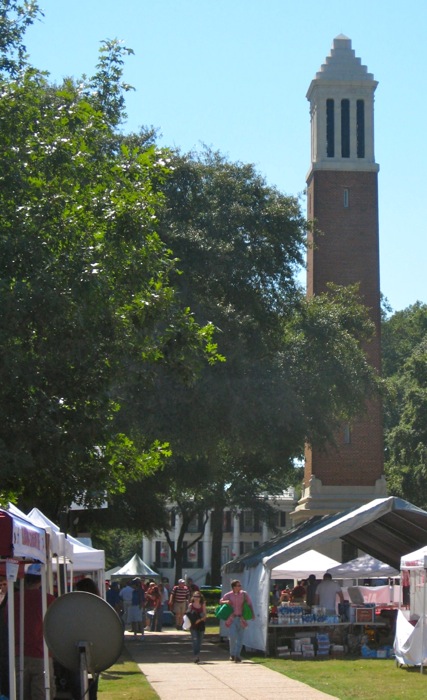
343, 202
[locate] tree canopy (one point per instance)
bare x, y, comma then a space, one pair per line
293, 368
87, 305
153, 336
405, 367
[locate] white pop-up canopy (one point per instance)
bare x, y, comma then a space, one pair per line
21, 542
135, 567
363, 567
83, 558
310, 562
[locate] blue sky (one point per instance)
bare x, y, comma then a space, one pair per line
233, 74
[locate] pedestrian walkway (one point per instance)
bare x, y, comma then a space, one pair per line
166, 659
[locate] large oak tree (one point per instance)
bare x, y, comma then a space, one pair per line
87, 306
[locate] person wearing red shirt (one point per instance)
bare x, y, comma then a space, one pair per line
33, 675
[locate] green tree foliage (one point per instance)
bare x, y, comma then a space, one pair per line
119, 544
87, 306
405, 367
293, 368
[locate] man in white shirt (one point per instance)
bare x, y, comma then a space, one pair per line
326, 594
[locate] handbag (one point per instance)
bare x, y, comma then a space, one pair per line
223, 612
246, 611
186, 623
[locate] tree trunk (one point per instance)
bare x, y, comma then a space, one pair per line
217, 517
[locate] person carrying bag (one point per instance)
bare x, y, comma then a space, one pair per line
236, 624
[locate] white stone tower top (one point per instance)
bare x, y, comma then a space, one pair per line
342, 63
342, 112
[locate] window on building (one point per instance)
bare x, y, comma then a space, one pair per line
225, 554
346, 198
360, 128
345, 128
281, 519
227, 522
193, 556
330, 129
347, 435
246, 547
194, 525
249, 521
163, 555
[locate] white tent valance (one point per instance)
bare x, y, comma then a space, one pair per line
310, 562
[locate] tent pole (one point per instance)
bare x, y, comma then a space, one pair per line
424, 617
12, 655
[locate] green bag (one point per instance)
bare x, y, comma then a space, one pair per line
223, 612
246, 611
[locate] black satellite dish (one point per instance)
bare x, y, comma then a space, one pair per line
83, 632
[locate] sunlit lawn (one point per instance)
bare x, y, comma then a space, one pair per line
346, 679
124, 681
354, 679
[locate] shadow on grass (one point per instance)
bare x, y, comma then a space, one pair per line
118, 675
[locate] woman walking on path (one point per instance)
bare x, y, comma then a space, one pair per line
196, 612
236, 623
154, 599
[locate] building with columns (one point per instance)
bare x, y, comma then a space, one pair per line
242, 532
342, 194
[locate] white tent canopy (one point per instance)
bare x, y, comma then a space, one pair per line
414, 560
384, 527
59, 545
411, 642
310, 562
363, 567
83, 558
135, 567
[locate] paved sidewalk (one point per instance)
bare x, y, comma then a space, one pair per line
166, 659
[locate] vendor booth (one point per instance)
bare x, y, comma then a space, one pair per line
411, 628
21, 543
384, 528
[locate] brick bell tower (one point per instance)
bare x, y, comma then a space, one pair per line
343, 202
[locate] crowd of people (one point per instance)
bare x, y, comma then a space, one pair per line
141, 604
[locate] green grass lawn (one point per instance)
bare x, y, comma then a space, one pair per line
124, 681
346, 679
354, 679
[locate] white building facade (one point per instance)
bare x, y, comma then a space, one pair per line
242, 531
